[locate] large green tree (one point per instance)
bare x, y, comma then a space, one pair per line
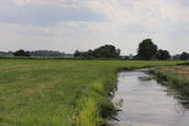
147, 50
106, 51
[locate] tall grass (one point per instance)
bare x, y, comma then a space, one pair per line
60, 92
173, 80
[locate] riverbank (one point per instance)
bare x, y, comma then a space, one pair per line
60, 92
175, 77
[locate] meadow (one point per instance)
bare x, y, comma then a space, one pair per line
60, 92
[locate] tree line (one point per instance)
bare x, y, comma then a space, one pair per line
39, 53
147, 50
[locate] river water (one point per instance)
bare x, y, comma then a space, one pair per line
144, 102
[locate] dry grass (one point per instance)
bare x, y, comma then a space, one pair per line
182, 71
175, 77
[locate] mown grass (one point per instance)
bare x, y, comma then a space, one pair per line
175, 77
60, 92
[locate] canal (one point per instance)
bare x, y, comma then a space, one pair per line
145, 102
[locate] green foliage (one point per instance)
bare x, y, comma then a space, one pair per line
146, 50
60, 92
77, 53
184, 56
21, 53
107, 51
162, 55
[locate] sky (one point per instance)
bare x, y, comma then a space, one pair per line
68, 25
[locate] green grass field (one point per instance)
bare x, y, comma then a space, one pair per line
59, 92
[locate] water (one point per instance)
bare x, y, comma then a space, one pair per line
144, 102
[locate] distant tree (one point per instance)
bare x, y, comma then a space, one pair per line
47, 53
107, 51
128, 57
89, 54
21, 53
125, 57
146, 50
6, 54
176, 57
86, 55
77, 53
184, 56
162, 55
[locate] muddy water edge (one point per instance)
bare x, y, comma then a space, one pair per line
145, 102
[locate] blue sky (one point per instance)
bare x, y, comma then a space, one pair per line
67, 25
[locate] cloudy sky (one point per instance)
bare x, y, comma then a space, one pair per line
67, 25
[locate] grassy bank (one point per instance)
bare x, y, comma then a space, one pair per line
176, 77
59, 92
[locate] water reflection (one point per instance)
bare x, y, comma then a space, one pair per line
144, 102
181, 99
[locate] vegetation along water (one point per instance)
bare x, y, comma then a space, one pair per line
175, 77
